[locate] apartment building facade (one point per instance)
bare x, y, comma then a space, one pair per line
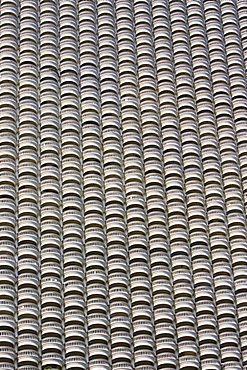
123, 184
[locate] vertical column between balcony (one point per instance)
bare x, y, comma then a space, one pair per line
28, 194
117, 245
182, 304
99, 355
73, 250
139, 264
50, 186
9, 63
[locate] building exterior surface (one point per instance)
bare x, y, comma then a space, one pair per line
123, 184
